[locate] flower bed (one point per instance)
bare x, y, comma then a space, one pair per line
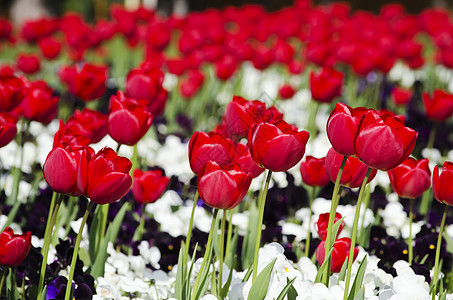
137, 166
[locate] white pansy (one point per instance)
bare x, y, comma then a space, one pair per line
394, 217
151, 255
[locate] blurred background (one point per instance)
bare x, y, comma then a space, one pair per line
20, 10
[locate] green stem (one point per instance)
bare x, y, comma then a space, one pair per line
189, 232
432, 137
261, 204
47, 236
76, 251
139, 231
367, 203
222, 244
436, 262
49, 217
411, 217
2, 282
229, 234
307, 243
333, 210
205, 257
118, 147
311, 126
354, 233
377, 85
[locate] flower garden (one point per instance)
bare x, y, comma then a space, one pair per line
304, 153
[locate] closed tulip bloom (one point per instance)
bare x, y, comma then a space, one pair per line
411, 178
223, 188
277, 146
39, 104
88, 123
148, 186
86, 82
442, 187
342, 127
322, 223
439, 107
326, 85
401, 96
286, 91
144, 83
50, 47
12, 91
240, 115
383, 142
29, 64
128, 120
103, 177
340, 253
244, 159
70, 135
14, 248
60, 169
313, 171
8, 129
353, 173
204, 147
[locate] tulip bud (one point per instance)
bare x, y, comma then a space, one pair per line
14, 248
340, 253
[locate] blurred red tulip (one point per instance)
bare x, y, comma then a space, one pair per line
323, 222
28, 63
8, 129
326, 85
442, 187
148, 186
313, 171
439, 107
14, 248
411, 178
340, 253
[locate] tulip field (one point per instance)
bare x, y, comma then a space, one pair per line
235, 153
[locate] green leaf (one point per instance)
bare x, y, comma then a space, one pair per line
229, 259
357, 285
213, 280
248, 247
335, 228
342, 274
360, 294
12, 214
224, 290
292, 293
98, 266
286, 289
259, 288
248, 273
180, 273
94, 237
204, 276
324, 265
186, 287
44, 293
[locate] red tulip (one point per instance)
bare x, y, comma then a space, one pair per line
411, 178
326, 85
50, 47
70, 135
240, 115
149, 185
12, 90
286, 91
233, 181
128, 120
244, 159
14, 248
60, 169
313, 171
340, 253
29, 64
277, 146
439, 107
88, 123
103, 177
8, 129
190, 85
342, 127
401, 96
442, 187
353, 173
204, 147
226, 67
383, 142
144, 83
322, 224
39, 104
86, 82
